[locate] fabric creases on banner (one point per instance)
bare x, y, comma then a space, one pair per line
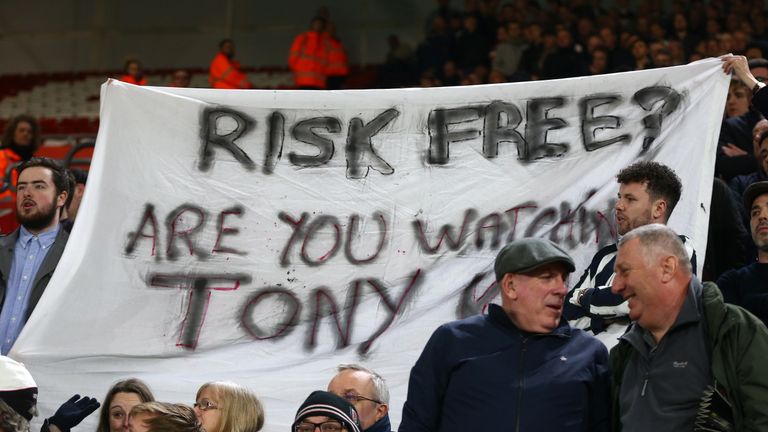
263, 237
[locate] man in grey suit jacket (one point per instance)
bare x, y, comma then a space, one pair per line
30, 254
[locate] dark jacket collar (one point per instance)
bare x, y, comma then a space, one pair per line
383, 425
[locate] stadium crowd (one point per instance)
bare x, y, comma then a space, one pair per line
664, 313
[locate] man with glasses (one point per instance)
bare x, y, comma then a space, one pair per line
367, 391
326, 412
518, 367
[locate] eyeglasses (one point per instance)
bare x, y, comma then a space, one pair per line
205, 405
329, 426
353, 397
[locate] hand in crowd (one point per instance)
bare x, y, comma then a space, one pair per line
731, 150
738, 65
72, 412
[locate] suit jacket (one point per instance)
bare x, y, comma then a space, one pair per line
7, 245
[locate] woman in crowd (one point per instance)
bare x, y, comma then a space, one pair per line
119, 401
228, 407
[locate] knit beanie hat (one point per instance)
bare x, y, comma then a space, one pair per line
17, 388
323, 403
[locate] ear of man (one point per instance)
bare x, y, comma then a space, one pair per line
508, 287
669, 266
659, 211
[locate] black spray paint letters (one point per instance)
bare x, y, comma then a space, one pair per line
503, 121
324, 235
321, 306
183, 226
360, 153
526, 125
564, 224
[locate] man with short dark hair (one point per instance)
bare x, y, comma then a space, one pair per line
688, 358
648, 192
748, 286
367, 392
518, 367
29, 255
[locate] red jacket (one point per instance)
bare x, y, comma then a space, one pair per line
131, 80
309, 59
337, 58
8, 157
225, 73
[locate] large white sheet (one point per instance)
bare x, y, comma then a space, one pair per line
265, 236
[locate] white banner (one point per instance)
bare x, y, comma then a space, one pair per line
264, 237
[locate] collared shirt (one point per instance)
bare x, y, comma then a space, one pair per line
28, 255
663, 383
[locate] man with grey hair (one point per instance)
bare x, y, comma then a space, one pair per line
367, 392
688, 359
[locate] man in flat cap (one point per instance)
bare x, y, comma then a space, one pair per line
748, 286
519, 367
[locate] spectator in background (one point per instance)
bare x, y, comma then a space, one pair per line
509, 49
163, 417
437, 48
309, 57
726, 234
21, 140
599, 62
133, 73
367, 392
747, 287
737, 102
451, 75
225, 71
640, 54
400, 66
118, 403
532, 58
64, 220
735, 148
338, 65
564, 62
81, 177
228, 407
180, 79
472, 45
42, 190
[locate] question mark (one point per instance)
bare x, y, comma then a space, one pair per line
647, 98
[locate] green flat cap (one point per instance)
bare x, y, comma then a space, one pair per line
526, 254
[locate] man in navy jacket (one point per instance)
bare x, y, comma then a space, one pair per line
520, 367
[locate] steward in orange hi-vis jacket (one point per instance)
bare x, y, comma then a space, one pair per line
309, 57
225, 72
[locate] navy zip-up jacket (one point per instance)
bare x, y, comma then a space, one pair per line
484, 374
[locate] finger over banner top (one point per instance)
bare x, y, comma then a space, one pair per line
265, 236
